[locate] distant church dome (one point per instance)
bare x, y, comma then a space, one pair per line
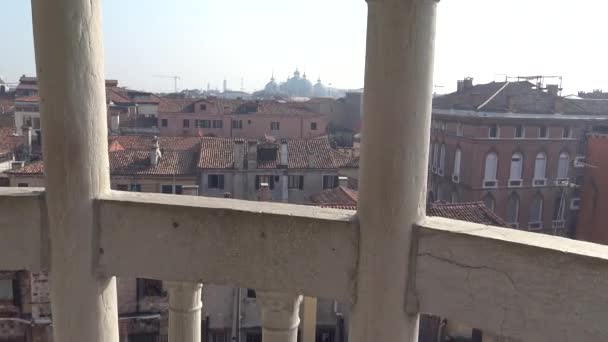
319, 89
298, 86
271, 87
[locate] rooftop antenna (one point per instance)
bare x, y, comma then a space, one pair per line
175, 79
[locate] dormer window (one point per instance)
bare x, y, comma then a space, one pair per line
202, 107
266, 154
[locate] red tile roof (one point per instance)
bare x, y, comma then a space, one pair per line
476, 212
171, 105
144, 142
218, 153
129, 162
31, 99
235, 107
340, 196
32, 169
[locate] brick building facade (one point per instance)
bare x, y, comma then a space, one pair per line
515, 146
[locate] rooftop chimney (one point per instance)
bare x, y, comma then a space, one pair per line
553, 89
252, 155
468, 83
27, 137
239, 154
114, 122
283, 160
343, 181
459, 85
155, 153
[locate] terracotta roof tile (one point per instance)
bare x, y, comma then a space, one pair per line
129, 162
144, 142
302, 154
216, 153
31, 99
33, 169
340, 196
475, 212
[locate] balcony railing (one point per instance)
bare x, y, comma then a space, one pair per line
387, 259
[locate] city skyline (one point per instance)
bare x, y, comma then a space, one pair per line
207, 42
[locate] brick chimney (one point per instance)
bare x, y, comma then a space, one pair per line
468, 83
155, 153
252, 154
283, 156
114, 122
553, 89
239, 154
27, 143
343, 181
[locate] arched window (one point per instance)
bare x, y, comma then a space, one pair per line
563, 165
540, 167
488, 201
490, 168
536, 212
513, 210
457, 157
516, 166
442, 159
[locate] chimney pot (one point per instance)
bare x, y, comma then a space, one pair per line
155, 153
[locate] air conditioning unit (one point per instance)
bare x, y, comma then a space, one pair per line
561, 182
539, 182
456, 178
515, 183
490, 184
575, 203
536, 225
558, 224
514, 225
579, 161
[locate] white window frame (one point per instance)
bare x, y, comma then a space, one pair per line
514, 223
516, 182
441, 168
537, 182
523, 132
489, 183
560, 176
497, 131
457, 165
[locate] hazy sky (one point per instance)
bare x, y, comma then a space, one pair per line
204, 41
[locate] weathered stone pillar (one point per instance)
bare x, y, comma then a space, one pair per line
280, 316
185, 304
70, 70
395, 139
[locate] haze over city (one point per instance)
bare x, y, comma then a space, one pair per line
206, 41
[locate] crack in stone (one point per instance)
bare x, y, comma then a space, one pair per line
471, 294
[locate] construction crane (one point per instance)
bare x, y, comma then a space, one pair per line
174, 77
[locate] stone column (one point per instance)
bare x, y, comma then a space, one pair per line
70, 70
309, 319
395, 140
185, 304
280, 316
